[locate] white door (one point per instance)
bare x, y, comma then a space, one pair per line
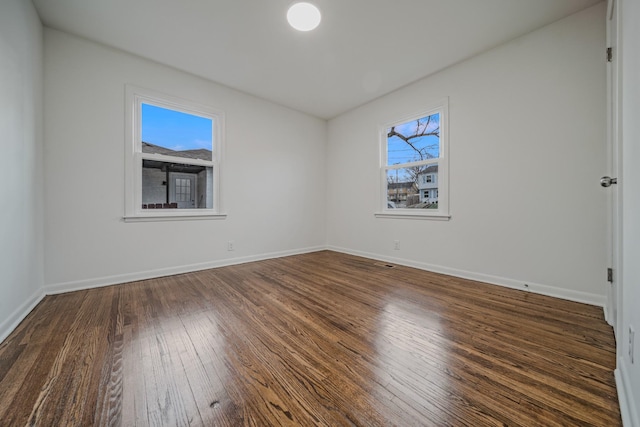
182, 190
614, 161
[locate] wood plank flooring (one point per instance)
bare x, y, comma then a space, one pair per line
321, 339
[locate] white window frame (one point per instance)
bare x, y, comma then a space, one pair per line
442, 213
136, 96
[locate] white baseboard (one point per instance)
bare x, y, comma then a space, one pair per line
12, 322
552, 291
21, 312
628, 402
59, 288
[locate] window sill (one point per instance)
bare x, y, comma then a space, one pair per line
408, 214
174, 217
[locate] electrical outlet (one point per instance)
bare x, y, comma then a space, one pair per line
396, 245
632, 334
230, 245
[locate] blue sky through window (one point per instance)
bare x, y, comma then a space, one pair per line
176, 130
417, 148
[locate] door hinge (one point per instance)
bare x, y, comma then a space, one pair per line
609, 54
610, 275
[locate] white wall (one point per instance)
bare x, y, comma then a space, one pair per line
21, 261
628, 374
527, 118
273, 178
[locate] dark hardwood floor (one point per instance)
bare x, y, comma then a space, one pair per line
316, 339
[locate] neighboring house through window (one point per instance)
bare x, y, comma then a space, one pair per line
173, 156
414, 165
428, 186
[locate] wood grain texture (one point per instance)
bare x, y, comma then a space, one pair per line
317, 339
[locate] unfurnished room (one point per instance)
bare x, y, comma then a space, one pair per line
320, 213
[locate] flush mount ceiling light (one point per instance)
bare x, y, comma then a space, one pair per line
303, 16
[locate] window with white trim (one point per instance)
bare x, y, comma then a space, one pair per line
414, 157
173, 158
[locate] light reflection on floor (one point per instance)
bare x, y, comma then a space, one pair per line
417, 378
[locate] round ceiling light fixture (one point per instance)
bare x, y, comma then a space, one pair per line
303, 16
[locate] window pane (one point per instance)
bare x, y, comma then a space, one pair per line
174, 133
414, 140
176, 186
415, 187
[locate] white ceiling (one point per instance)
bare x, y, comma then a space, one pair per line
362, 49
